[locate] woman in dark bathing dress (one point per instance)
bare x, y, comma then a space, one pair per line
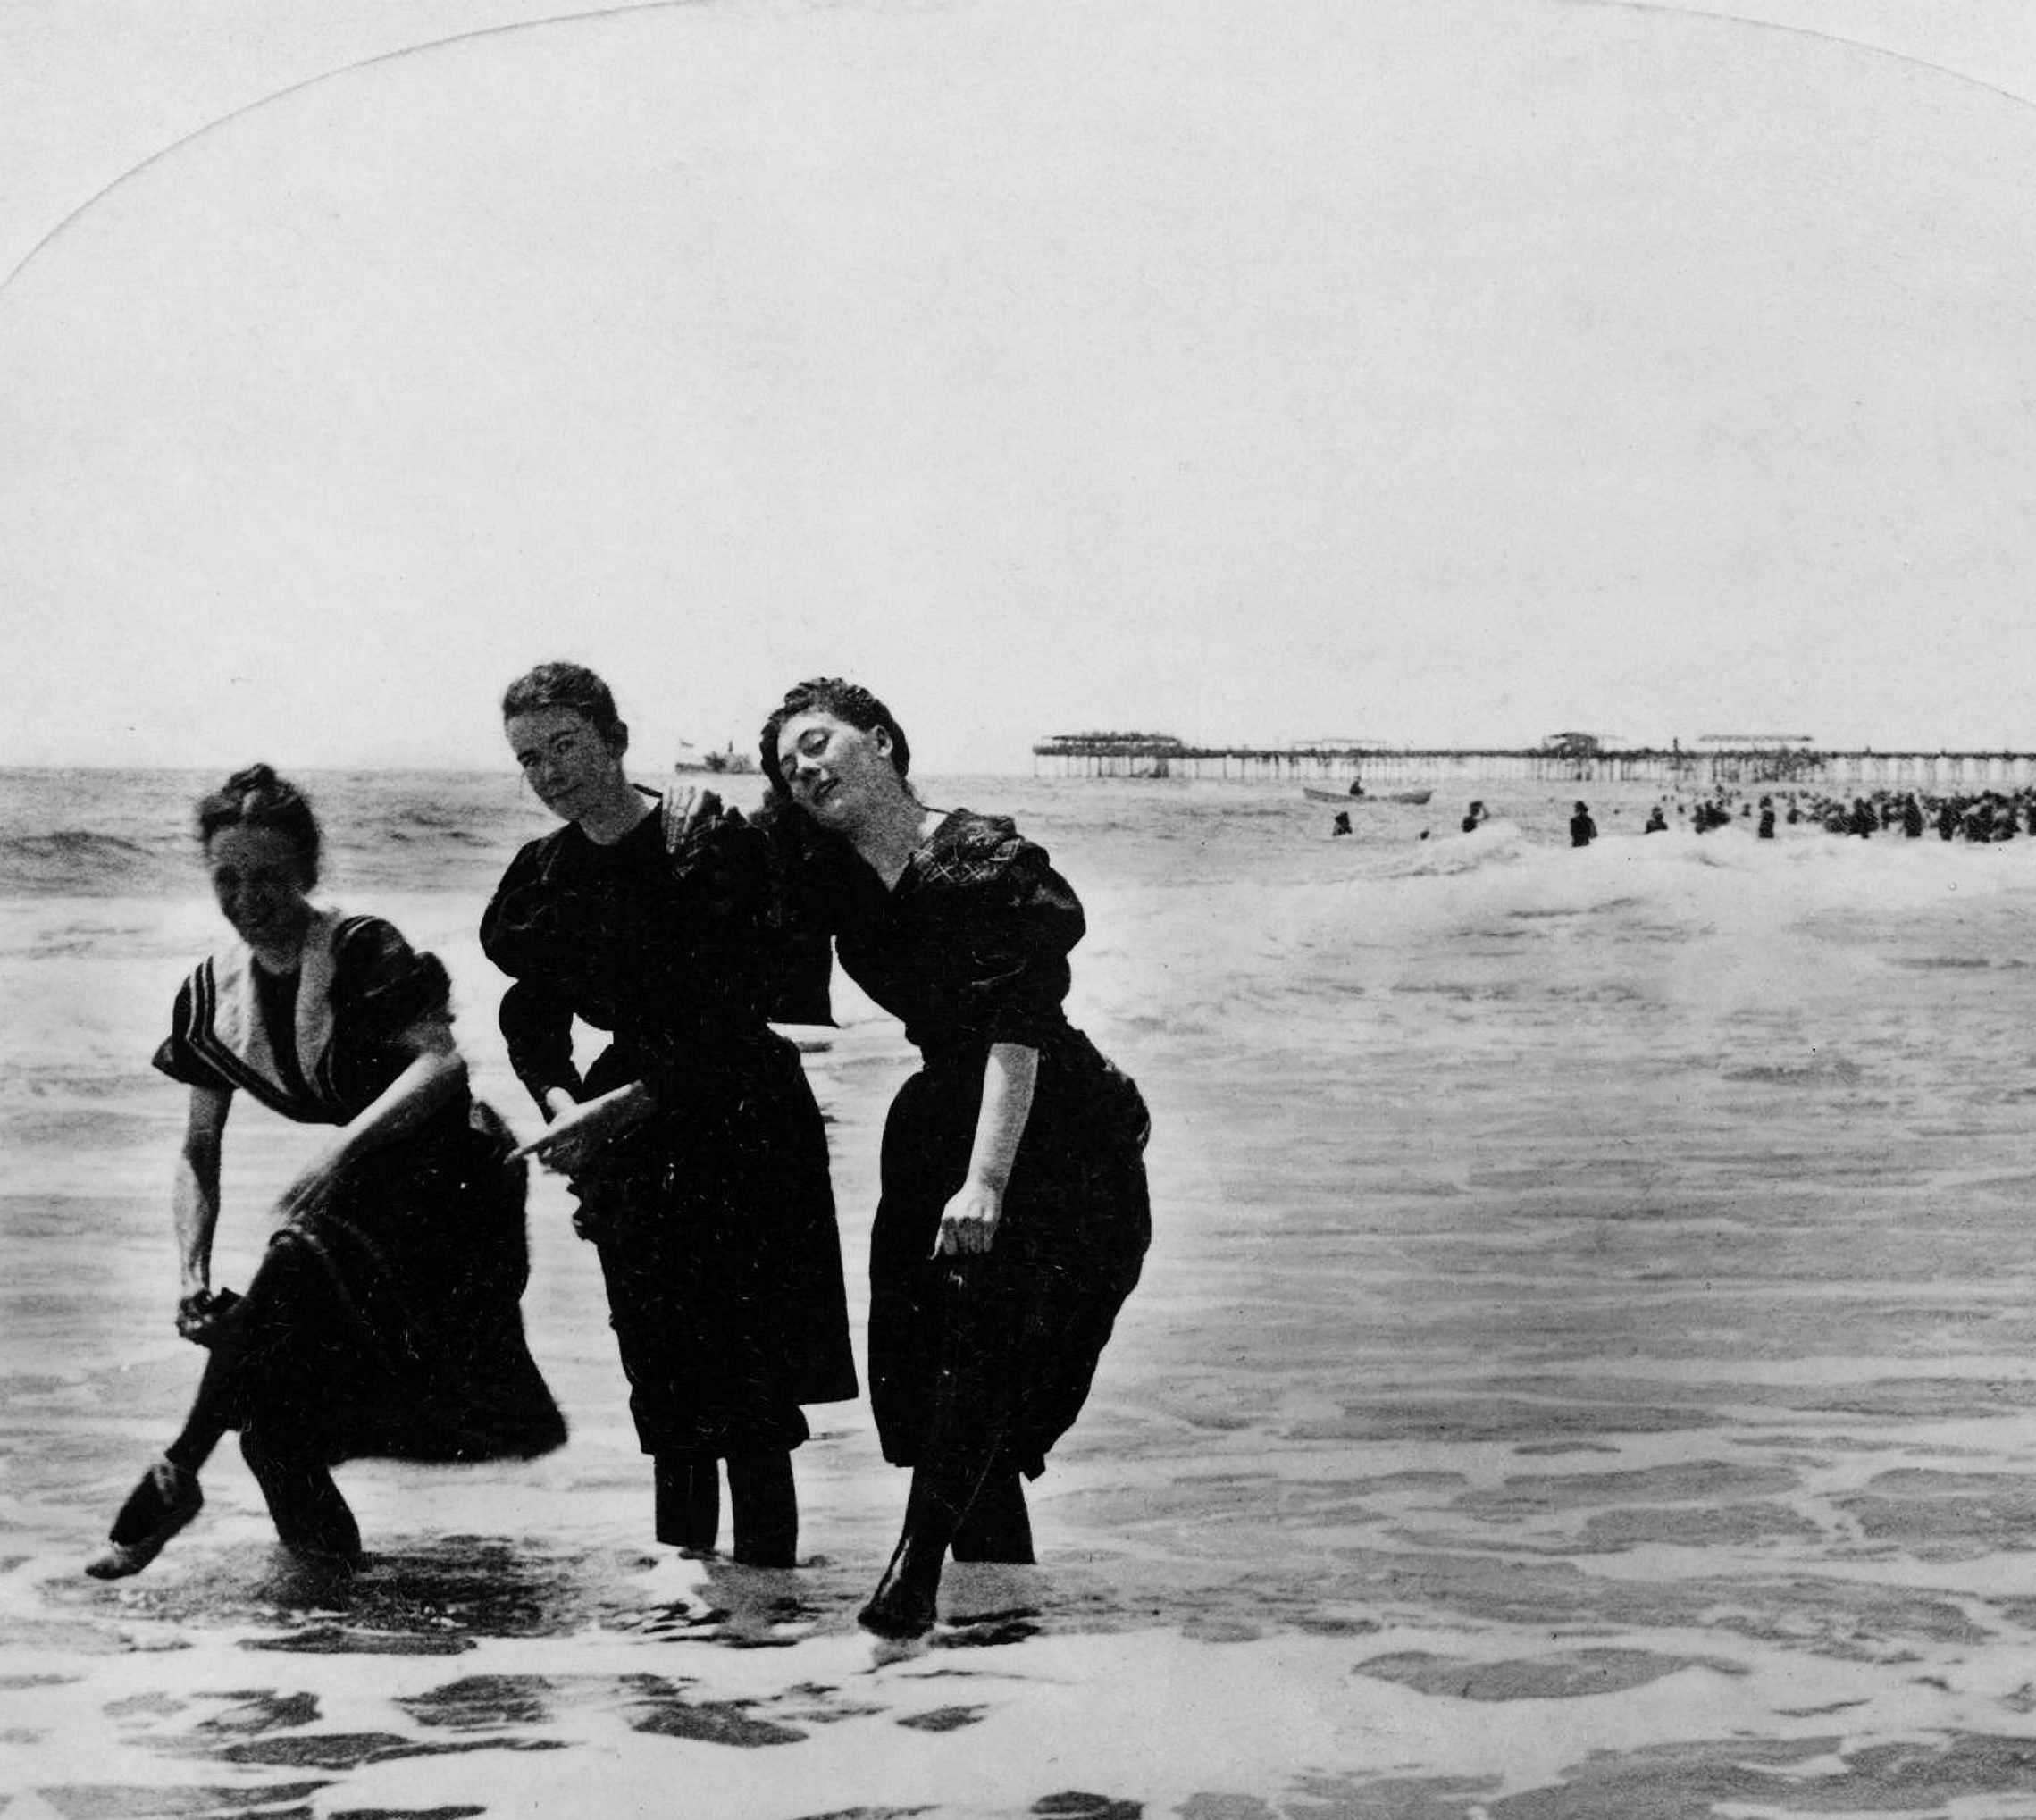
1014, 1216
693, 1142
383, 1319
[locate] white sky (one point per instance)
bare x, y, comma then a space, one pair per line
1428, 370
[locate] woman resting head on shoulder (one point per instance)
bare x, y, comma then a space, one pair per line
383, 1319
839, 756
1013, 1217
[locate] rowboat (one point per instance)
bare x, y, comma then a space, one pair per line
1344, 797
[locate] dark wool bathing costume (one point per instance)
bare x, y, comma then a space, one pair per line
970, 949
715, 1216
387, 1323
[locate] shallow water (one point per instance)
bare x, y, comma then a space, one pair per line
1583, 1368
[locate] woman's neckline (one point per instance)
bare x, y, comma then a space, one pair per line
930, 827
648, 800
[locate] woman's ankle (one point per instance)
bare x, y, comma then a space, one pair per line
997, 1526
688, 1500
765, 1497
907, 1598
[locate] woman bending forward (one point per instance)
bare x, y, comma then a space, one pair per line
383, 1318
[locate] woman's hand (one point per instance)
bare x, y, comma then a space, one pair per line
203, 1317
576, 1134
194, 1296
968, 1222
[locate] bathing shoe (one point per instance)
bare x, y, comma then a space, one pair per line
167, 1498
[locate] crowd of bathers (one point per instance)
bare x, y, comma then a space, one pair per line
1985, 816
1988, 815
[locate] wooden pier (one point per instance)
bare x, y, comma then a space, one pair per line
1567, 760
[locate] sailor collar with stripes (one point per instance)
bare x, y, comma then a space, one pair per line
227, 1030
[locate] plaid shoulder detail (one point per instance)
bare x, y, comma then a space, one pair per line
971, 850
689, 818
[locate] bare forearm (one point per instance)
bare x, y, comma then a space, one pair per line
974, 1211
1009, 1077
578, 1128
434, 1075
433, 1078
195, 1208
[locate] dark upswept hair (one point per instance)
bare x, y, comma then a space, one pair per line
568, 686
256, 797
846, 701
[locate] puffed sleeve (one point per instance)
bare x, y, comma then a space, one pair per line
518, 930
1020, 921
176, 1057
538, 1028
383, 987
519, 926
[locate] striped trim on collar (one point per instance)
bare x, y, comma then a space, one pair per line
226, 1030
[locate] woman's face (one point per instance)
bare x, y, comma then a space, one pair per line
833, 771
564, 757
258, 879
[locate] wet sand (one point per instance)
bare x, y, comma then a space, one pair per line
1585, 1370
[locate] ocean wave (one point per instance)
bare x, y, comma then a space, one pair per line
1707, 927
77, 862
431, 832
1495, 843
429, 822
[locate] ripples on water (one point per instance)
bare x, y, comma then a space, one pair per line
1586, 1283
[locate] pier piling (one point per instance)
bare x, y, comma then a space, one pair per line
1696, 767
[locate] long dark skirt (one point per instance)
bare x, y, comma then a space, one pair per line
389, 1326
1004, 1342
718, 1246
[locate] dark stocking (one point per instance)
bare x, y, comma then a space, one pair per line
254, 1360
965, 1434
996, 1527
214, 1410
688, 1500
942, 1489
765, 1507
310, 1515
